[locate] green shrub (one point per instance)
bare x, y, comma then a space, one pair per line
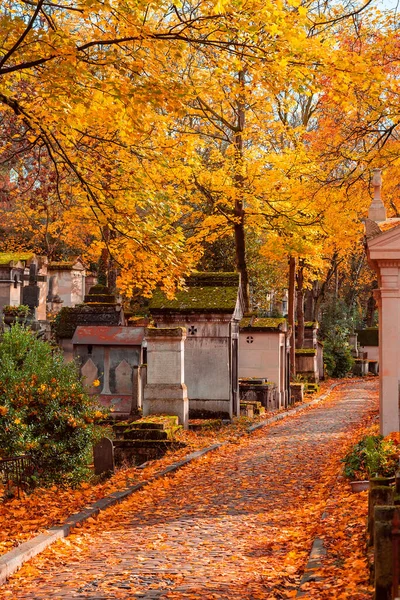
44, 409
372, 456
338, 359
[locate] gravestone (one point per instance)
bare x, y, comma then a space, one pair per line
123, 378
165, 391
103, 456
89, 373
31, 292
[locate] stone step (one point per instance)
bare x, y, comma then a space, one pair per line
148, 425
251, 408
121, 426
145, 443
136, 452
145, 434
254, 403
205, 424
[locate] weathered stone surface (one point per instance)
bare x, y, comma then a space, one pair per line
165, 391
123, 378
103, 455
89, 373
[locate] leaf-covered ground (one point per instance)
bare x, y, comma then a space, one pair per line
24, 517
237, 524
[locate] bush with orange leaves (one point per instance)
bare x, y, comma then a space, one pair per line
44, 410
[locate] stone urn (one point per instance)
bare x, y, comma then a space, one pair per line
359, 486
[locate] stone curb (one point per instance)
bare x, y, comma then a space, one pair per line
314, 563
13, 560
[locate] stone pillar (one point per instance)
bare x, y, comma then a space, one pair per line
165, 391
388, 300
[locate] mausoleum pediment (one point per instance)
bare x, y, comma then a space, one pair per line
388, 240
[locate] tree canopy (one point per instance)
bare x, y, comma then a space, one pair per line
152, 129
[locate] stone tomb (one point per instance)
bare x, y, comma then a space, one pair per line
264, 353
165, 392
69, 284
368, 340
19, 271
310, 364
210, 308
113, 356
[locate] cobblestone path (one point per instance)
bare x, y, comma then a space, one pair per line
237, 524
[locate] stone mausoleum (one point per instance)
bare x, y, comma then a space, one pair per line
210, 308
264, 353
383, 253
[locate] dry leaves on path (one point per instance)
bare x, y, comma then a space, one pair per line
238, 524
23, 518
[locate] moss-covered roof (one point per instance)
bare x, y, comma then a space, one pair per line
262, 324
7, 257
305, 352
311, 324
206, 292
65, 266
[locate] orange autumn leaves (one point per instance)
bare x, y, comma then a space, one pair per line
237, 524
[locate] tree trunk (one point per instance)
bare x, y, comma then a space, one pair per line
291, 303
300, 306
241, 265
309, 305
239, 212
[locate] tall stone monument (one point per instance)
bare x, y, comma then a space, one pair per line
165, 391
383, 253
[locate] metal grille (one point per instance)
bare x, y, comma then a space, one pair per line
16, 471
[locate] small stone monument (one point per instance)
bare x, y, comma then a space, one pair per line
165, 391
53, 300
377, 210
31, 292
103, 456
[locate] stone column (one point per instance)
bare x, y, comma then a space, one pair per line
388, 299
165, 391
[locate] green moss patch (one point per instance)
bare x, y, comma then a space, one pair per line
305, 352
7, 257
262, 324
197, 299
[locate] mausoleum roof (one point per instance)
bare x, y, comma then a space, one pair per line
8, 257
205, 292
263, 324
66, 265
103, 335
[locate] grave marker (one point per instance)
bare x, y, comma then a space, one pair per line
103, 455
